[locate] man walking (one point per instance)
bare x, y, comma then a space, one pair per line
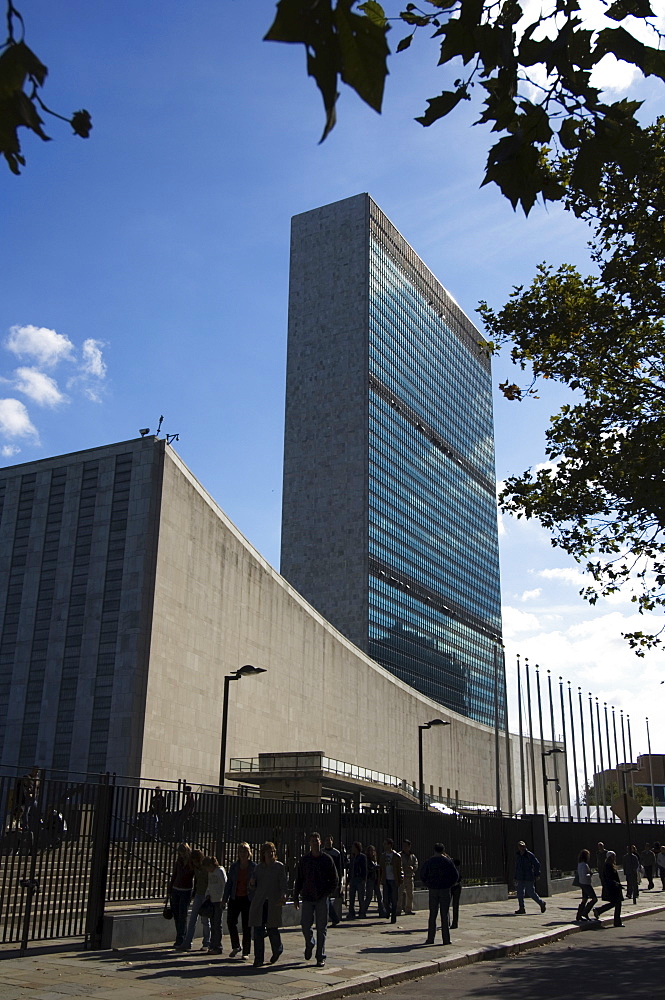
332, 852
648, 862
409, 872
439, 874
527, 870
316, 881
390, 867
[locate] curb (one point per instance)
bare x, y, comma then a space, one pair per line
362, 984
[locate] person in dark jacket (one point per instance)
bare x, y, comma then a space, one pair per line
439, 875
316, 881
237, 896
180, 891
527, 870
340, 863
357, 878
612, 891
631, 869
455, 894
373, 886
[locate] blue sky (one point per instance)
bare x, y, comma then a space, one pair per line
158, 251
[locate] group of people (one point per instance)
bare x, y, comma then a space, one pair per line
635, 866
253, 893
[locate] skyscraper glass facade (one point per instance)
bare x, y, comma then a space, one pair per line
389, 521
434, 588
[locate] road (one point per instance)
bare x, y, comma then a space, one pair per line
612, 963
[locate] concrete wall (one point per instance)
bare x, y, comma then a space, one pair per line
219, 605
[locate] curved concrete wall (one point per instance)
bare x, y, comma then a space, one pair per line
219, 605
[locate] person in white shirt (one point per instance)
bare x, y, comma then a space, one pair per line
589, 897
215, 892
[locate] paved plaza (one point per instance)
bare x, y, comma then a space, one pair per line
362, 955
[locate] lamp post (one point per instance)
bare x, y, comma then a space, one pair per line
245, 671
544, 754
428, 725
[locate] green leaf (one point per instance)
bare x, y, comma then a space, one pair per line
363, 54
442, 105
375, 12
404, 43
81, 122
627, 8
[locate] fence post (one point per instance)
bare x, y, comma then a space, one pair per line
541, 848
101, 842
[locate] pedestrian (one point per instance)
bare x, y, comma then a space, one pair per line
612, 892
601, 856
268, 887
236, 895
373, 885
409, 872
648, 862
439, 874
455, 894
157, 811
357, 879
631, 872
200, 892
330, 849
589, 897
316, 881
215, 893
527, 870
660, 863
180, 891
186, 816
390, 867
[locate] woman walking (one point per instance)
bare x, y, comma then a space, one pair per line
357, 879
372, 885
589, 897
180, 891
612, 891
200, 890
236, 895
265, 910
631, 869
215, 893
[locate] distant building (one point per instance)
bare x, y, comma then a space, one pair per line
126, 597
389, 524
650, 768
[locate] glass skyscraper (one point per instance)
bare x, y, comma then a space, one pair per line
389, 521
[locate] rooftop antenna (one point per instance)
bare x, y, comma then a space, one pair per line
159, 425
170, 438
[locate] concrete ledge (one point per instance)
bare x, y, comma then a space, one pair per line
470, 894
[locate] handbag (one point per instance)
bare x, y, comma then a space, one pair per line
167, 912
206, 909
576, 880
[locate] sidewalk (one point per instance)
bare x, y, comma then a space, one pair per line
362, 955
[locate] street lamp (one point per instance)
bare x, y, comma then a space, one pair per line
235, 676
428, 725
544, 754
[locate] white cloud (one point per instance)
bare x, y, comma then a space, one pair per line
93, 363
8, 450
15, 421
531, 595
572, 576
39, 387
516, 622
45, 346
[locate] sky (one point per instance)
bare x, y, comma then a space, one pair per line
144, 271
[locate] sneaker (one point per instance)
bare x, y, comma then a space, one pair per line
320, 962
214, 951
204, 947
543, 906
234, 952
309, 948
520, 912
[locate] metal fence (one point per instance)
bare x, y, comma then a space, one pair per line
75, 849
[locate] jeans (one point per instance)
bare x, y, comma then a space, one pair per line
180, 904
439, 903
239, 907
390, 889
356, 888
259, 934
191, 927
455, 894
372, 889
589, 897
332, 912
526, 888
648, 874
315, 913
216, 927
405, 895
